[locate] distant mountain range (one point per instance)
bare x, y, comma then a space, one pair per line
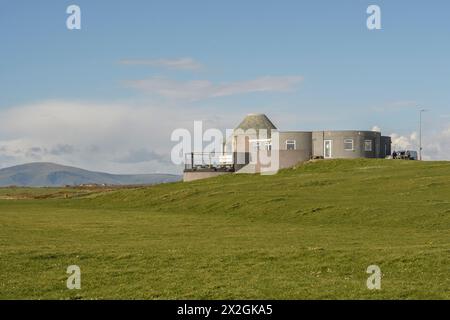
42, 174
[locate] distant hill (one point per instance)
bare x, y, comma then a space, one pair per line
42, 174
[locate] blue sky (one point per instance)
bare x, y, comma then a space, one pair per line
307, 64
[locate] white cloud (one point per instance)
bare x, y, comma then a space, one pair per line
116, 138
404, 142
436, 146
193, 90
174, 64
446, 133
89, 135
376, 128
397, 105
203, 89
403, 104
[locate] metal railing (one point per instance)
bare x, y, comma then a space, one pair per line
201, 161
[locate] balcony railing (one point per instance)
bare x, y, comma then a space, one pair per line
201, 161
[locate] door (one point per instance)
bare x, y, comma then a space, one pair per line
327, 148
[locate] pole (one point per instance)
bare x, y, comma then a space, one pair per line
420, 135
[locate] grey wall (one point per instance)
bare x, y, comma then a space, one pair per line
286, 159
309, 144
197, 175
303, 148
386, 143
303, 140
338, 137
289, 158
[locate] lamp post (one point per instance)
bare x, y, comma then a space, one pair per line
420, 133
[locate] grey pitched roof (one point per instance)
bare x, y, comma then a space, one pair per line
256, 121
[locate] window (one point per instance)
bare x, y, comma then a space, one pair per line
367, 145
260, 144
348, 144
290, 144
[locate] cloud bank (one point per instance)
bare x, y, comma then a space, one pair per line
117, 138
436, 145
202, 89
173, 64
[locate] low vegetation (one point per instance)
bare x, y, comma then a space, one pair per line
306, 233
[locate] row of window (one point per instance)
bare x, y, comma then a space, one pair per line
265, 145
349, 145
291, 145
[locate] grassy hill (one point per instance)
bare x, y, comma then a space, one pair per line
305, 233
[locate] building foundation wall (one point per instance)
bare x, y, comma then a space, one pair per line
197, 175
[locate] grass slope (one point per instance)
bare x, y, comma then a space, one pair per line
308, 232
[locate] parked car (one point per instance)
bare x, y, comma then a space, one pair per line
405, 155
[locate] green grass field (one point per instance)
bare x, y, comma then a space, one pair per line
305, 233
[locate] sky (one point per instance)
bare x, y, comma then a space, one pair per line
108, 96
